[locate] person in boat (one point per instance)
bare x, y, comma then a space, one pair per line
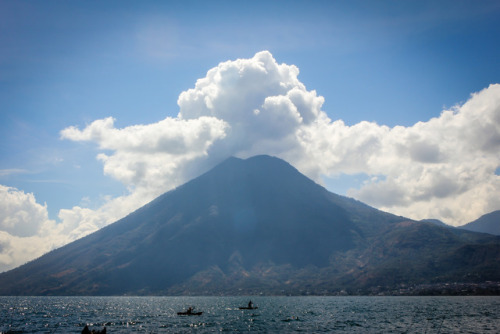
86, 330
250, 304
189, 310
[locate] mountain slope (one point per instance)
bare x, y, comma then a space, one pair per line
488, 223
436, 222
250, 226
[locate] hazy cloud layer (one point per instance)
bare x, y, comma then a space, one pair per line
440, 168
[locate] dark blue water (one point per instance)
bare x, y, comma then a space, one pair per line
275, 314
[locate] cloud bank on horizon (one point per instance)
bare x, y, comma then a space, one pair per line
442, 168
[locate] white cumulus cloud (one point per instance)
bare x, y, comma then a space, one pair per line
439, 168
150, 156
258, 106
25, 230
20, 214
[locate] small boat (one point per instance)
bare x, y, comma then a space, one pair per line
189, 313
249, 307
86, 330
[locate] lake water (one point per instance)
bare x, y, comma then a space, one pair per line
274, 314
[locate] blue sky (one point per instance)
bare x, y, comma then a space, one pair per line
70, 63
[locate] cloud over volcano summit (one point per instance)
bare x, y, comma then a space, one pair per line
442, 168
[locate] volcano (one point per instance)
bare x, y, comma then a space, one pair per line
257, 226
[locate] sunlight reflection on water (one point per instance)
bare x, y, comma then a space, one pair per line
275, 314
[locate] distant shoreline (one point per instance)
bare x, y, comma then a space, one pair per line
489, 288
